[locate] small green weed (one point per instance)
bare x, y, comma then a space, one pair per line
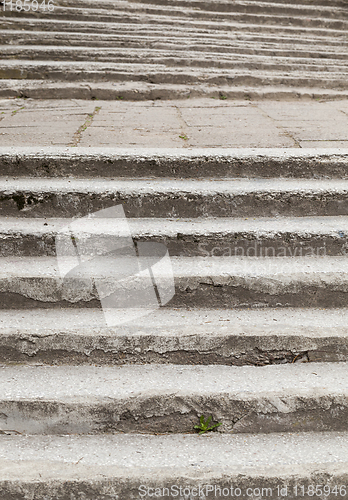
184, 137
204, 426
222, 97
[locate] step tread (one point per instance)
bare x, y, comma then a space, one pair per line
310, 322
122, 455
86, 89
221, 187
71, 383
275, 227
216, 271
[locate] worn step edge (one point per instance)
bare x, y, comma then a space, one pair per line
159, 74
57, 467
199, 336
222, 282
174, 198
283, 236
140, 91
170, 398
161, 162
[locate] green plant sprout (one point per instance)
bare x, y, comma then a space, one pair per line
204, 426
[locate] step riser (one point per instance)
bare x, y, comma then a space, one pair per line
297, 34
233, 163
36, 90
95, 481
192, 60
121, 349
223, 7
191, 463
159, 15
196, 292
75, 43
233, 244
168, 414
164, 77
175, 204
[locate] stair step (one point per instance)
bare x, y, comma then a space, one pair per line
251, 237
176, 336
278, 237
247, 399
180, 41
221, 282
123, 466
332, 19
173, 198
155, 27
136, 91
211, 163
73, 71
335, 63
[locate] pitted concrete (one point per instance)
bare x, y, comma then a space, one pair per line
204, 237
88, 400
180, 336
226, 121
168, 198
223, 282
153, 163
190, 45
108, 467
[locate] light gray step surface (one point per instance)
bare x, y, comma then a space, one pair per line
226, 60
306, 17
221, 282
204, 237
80, 71
204, 30
211, 163
174, 198
152, 26
336, 10
139, 91
109, 467
177, 336
243, 43
167, 398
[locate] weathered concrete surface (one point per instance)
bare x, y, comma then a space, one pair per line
204, 237
168, 198
108, 467
221, 282
181, 124
189, 45
87, 400
105, 466
140, 91
199, 336
173, 162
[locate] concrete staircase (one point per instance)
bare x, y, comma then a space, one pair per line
161, 49
257, 341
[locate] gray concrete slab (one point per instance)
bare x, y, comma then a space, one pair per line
124, 466
175, 336
245, 399
223, 282
170, 198
282, 236
173, 162
200, 123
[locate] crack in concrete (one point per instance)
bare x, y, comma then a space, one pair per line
87, 123
184, 127
278, 125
